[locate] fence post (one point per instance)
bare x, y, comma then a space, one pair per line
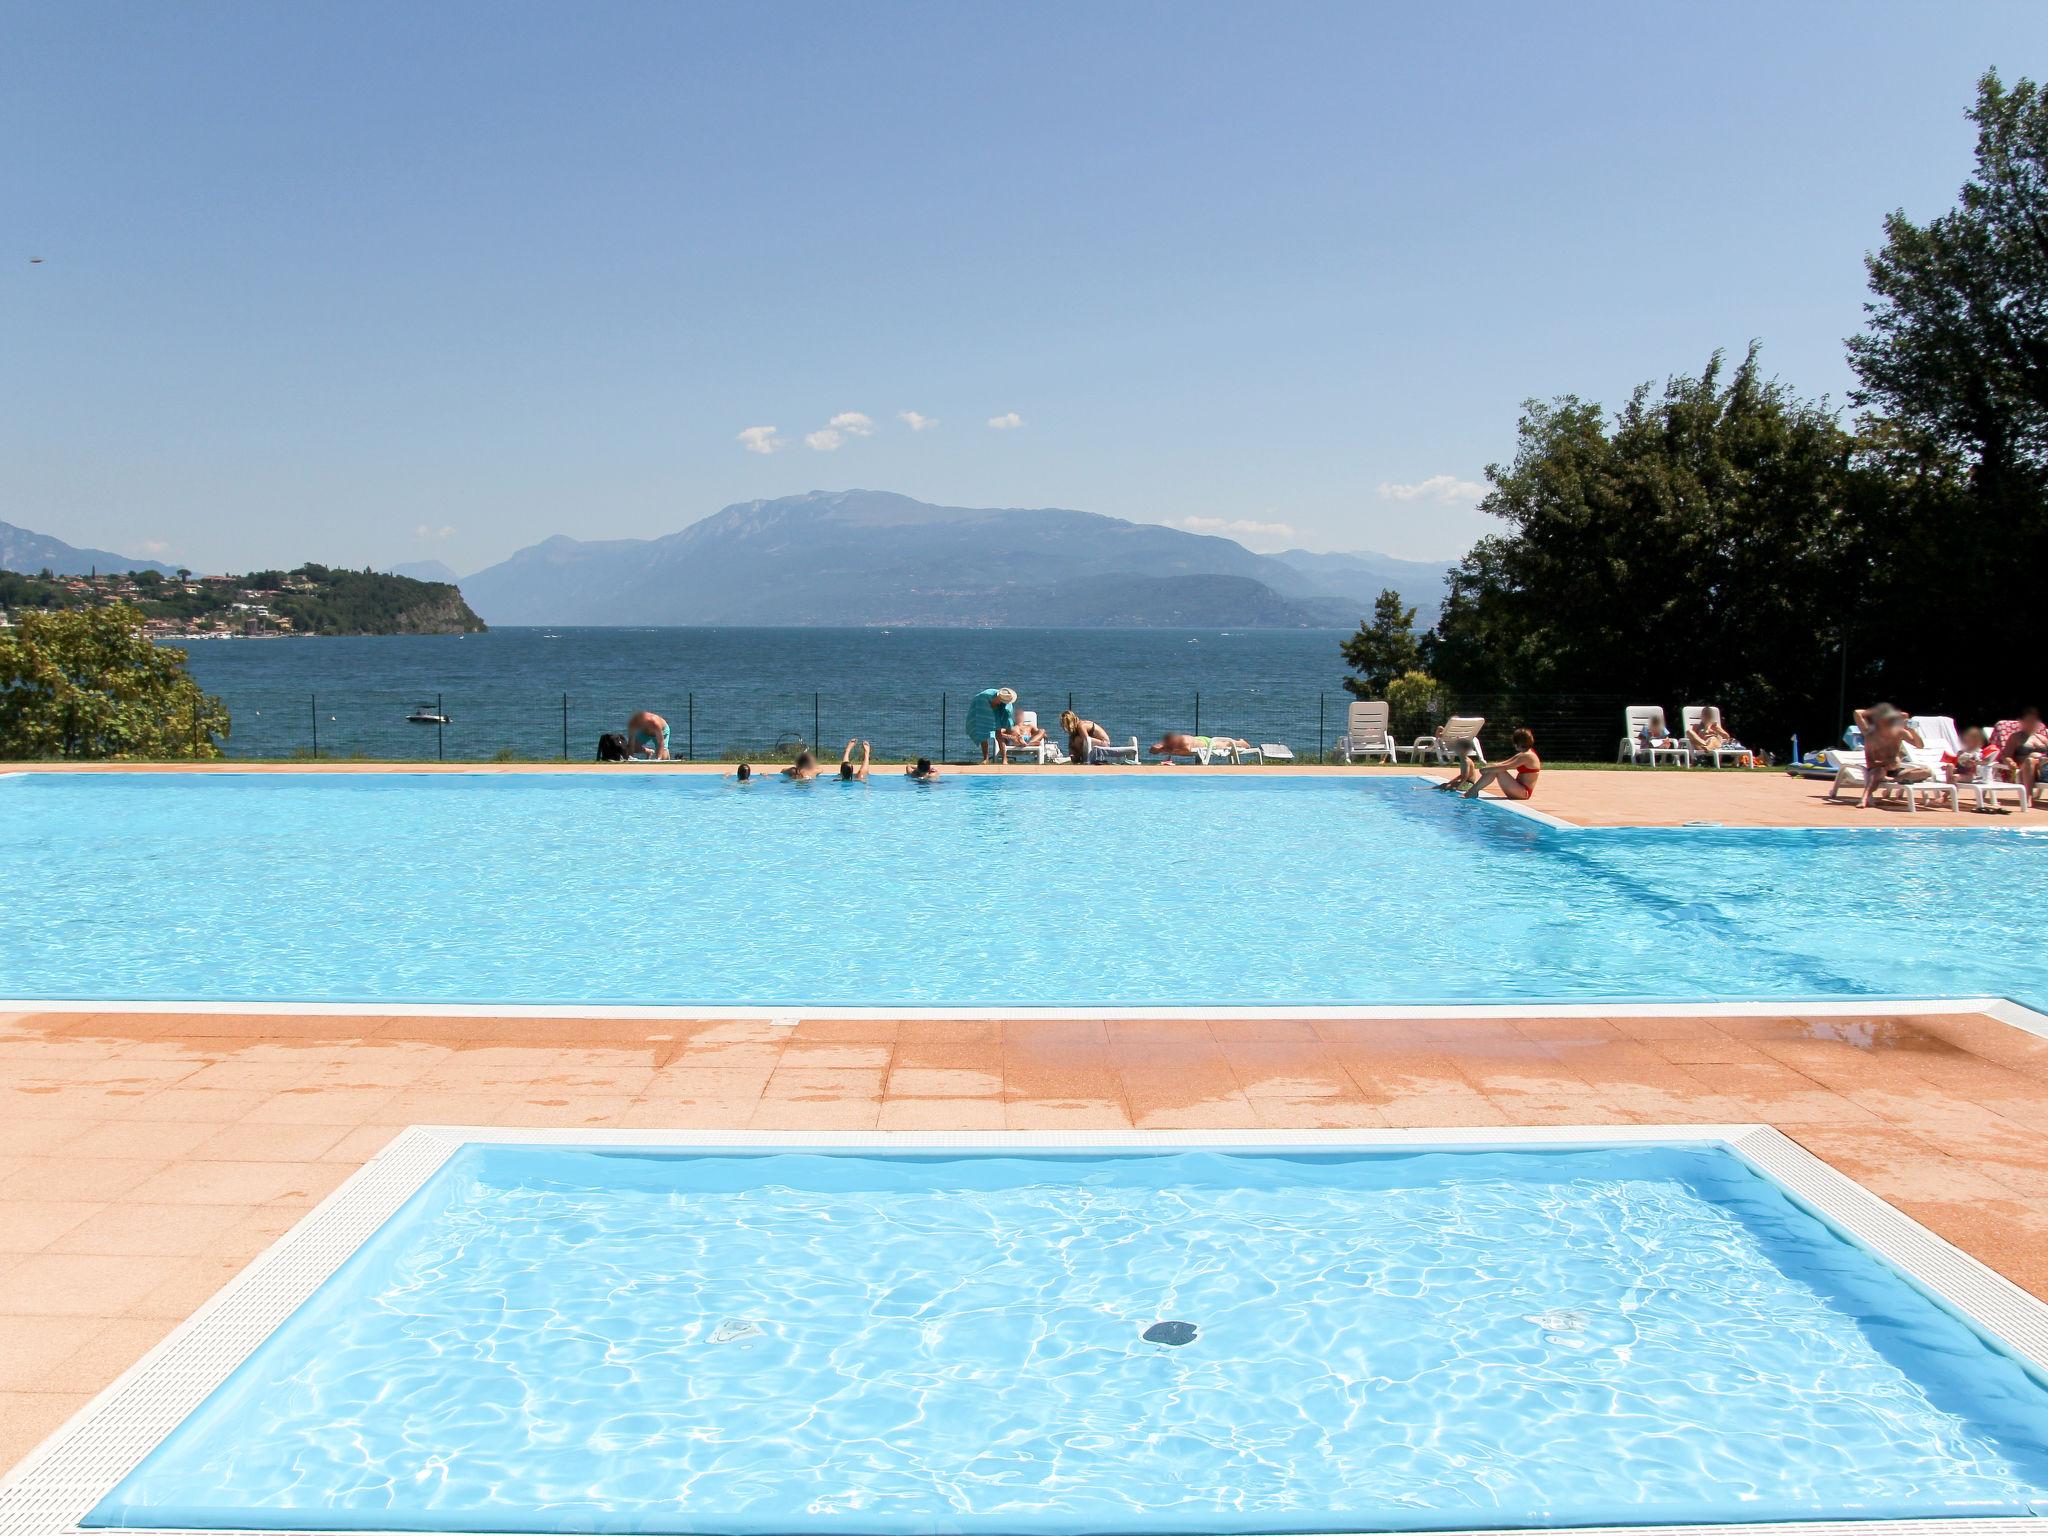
440, 729
565, 727
693, 728
940, 755
1198, 711
1320, 754
195, 731
814, 722
316, 727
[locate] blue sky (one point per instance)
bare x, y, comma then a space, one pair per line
374, 282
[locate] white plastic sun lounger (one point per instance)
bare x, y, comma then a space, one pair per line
1692, 715
1103, 752
1849, 774
1365, 733
1456, 737
1642, 725
1047, 750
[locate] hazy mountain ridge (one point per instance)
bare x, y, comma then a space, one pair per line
27, 552
873, 557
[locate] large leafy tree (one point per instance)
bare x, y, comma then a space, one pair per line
90, 683
1692, 549
1384, 648
1954, 376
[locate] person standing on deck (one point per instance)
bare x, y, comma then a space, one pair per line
992, 720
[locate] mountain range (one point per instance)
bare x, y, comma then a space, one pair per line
28, 553
874, 557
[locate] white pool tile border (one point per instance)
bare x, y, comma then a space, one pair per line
61, 1481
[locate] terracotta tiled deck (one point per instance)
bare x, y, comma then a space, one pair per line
144, 1159
1622, 797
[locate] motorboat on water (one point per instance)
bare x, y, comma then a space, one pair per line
429, 714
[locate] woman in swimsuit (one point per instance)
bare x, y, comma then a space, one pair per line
1514, 777
1082, 736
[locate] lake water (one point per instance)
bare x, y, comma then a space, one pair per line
730, 690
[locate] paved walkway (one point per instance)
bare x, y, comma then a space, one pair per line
1594, 797
144, 1159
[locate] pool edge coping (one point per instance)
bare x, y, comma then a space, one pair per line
2003, 1010
65, 1477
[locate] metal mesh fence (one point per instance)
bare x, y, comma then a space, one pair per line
724, 724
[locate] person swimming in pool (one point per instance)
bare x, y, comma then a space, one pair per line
1514, 777
804, 769
921, 770
848, 773
647, 736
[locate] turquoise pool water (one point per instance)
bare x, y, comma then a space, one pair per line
552, 1339
1150, 887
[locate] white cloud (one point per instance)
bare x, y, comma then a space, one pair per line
429, 531
761, 440
153, 546
825, 439
852, 423
1006, 422
1251, 530
916, 421
1446, 490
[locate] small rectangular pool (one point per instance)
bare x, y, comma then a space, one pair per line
1146, 889
1265, 1334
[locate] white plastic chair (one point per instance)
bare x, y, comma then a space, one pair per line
1365, 733
1642, 726
1850, 774
1456, 737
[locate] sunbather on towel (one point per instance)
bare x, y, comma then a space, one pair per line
1886, 735
1514, 777
1082, 736
1172, 744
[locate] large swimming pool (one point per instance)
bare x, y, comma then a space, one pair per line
1042, 890
568, 1339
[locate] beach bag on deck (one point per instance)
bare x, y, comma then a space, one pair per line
611, 748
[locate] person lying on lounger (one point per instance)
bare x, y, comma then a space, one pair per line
1514, 777
1174, 744
1710, 733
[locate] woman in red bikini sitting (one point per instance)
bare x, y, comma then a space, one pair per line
1514, 777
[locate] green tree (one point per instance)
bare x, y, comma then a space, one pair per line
1384, 647
90, 683
1692, 550
1953, 370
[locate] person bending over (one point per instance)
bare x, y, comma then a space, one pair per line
1083, 736
1514, 777
991, 715
647, 736
847, 772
